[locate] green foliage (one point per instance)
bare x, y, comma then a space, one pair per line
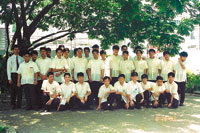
193, 82
3, 129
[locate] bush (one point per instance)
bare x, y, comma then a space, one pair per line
3, 129
193, 82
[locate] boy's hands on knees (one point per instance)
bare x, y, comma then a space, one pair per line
85, 98
132, 103
127, 105
155, 103
169, 105
82, 101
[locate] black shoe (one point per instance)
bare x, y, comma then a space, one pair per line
160, 106
181, 104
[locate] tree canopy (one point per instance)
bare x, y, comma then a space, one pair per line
110, 21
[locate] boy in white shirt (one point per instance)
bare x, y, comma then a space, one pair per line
67, 62
121, 90
135, 92
171, 91
51, 93
114, 64
166, 66
147, 87
158, 93
83, 93
27, 77
181, 77
106, 95
68, 92
140, 64
95, 74
126, 66
106, 63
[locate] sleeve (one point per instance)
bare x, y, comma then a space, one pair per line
154, 88
86, 64
132, 66
58, 89
20, 69
165, 85
61, 90
160, 65
163, 88
145, 65
100, 92
102, 65
44, 85
173, 65
110, 63
140, 88
89, 64
9, 69
159, 62
175, 90
73, 88
88, 87
115, 87
128, 89
36, 69
112, 88
53, 63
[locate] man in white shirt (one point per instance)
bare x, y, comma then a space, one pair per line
106, 63
181, 76
106, 95
43, 64
80, 64
12, 66
153, 66
171, 92
83, 93
27, 77
166, 66
147, 87
140, 64
114, 64
68, 92
135, 92
126, 66
67, 62
58, 67
121, 92
34, 55
51, 93
158, 93
87, 53
95, 74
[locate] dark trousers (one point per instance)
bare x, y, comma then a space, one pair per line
68, 105
147, 95
137, 103
181, 91
114, 80
54, 104
174, 102
16, 92
30, 95
95, 85
161, 100
39, 93
108, 104
120, 101
85, 105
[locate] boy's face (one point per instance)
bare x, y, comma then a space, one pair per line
166, 57
87, 52
171, 79
103, 56
43, 53
183, 58
121, 80
49, 53
81, 79
125, 56
95, 54
27, 57
16, 51
66, 53
124, 49
139, 54
67, 78
79, 53
51, 78
115, 51
34, 57
159, 82
151, 54
59, 53
134, 78
144, 80
107, 82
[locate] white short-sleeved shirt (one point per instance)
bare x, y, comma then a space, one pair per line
158, 89
121, 88
180, 73
147, 86
173, 88
106, 67
82, 89
27, 71
126, 66
96, 65
134, 89
57, 64
103, 90
80, 65
166, 67
140, 66
114, 65
66, 91
43, 65
153, 66
53, 88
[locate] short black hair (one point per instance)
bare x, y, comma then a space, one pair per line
43, 48
79, 49
66, 49
133, 74
50, 73
48, 49
67, 74
95, 50
124, 46
75, 50
58, 49
106, 77
95, 46
27, 53
166, 52
171, 74
121, 75
61, 46
116, 47
159, 78
34, 52
102, 52
87, 48
80, 74
184, 54
152, 50
125, 52
15, 46
144, 76
139, 50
